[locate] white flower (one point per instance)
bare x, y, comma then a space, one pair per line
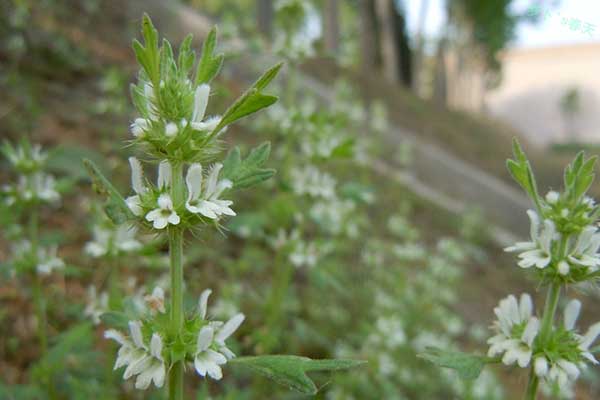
211, 350
164, 214
147, 363
171, 129
538, 251
48, 261
44, 187
309, 180
134, 202
552, 197
139, 127
156, 300
304, 254
563, 371
516, 347
586, 341
113, 241
207, 202
200, 104
586, 250
96, 305
165, 175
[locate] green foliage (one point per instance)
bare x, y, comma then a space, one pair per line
521, 171
290, 371
250, 102
579, 176
468, 366
115, 206
209, 64
248, 172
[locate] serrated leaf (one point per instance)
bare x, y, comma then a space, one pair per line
251, 101
468, 366
209, 64
247, 172
521, 171
290, 371
116, 208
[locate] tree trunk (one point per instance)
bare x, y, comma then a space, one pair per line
440, 86
264, 18
331, 26
418, 56
369, 43
389, 51
403, 52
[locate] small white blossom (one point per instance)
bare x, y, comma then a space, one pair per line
514, 316
164, 214
207, 202
211, 350
96, 305
538, 251
552, 197
112, 241
137, 184
200, 104
156, 300
304, 254
147, 363
171, 129
309, 180
560, 370
586, 250
139, 127
48, 261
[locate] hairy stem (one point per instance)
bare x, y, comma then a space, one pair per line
176, 258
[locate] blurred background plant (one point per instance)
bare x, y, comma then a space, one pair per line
376, 237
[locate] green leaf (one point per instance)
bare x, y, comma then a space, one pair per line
468, 366
290, 371
148, 55
115, 319
521, 171
115, 206
61, 160
209, 64
250, 102
248, 172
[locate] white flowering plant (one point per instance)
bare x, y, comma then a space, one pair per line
562, 251
174, 132
32, 260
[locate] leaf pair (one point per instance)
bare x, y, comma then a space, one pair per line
521, 171
468, 366
579, 176
247, 172
290, 371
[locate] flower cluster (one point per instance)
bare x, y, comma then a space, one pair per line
155, 204
309, 180
563, 249
146, 351
112, 241
33, 185
564, 353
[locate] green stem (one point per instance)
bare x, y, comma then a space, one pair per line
176, 258
532, 386
549, 312
39, 301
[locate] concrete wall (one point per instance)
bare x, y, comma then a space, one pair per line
534, 80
